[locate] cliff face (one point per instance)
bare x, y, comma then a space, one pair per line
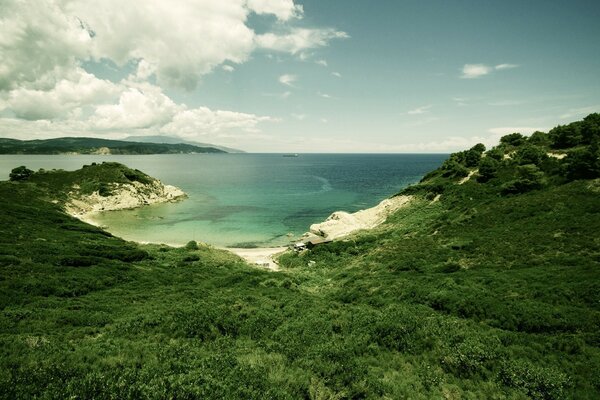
121, 196
341, 223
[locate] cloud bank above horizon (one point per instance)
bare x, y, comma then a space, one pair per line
295, 75
46, 90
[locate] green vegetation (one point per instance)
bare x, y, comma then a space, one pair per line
91, 178
97, 146
485, 289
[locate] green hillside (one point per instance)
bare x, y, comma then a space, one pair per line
482, 288
84, 145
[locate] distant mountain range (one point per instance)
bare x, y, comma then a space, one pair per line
83, 145
177, 140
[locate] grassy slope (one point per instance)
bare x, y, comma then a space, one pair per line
478, 295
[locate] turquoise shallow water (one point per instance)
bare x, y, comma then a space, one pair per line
248, 199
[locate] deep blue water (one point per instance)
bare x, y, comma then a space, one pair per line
249, 199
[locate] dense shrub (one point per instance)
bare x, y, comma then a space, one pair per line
537, 382
513, 139
191, 245
529, 154
21, 173
529, 177
538, 138
583, 163
488, 167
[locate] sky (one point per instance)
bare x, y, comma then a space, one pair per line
386, 76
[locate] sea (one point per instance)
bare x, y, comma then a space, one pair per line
247, 200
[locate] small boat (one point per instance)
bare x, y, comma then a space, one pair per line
291, 155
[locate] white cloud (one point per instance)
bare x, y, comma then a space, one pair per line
473, 71
325, 95
183, 41
336, 74
298, 39
505, 66
39, 41
45, 91
81, 89
202, 121
138, 108
288, 79
420, 110
322, 63
282, 9
450, 144
506, 130
144, 70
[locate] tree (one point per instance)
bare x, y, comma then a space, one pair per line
514, 139
565, 136
21, 173
583, 164
488, 167
539, 139
529, 154
529, 177
590, 128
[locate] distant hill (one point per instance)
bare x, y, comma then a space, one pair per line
83, 145
178, 140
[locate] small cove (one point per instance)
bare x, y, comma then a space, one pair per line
248, 200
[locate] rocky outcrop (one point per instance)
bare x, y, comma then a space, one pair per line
121, 196
341, 223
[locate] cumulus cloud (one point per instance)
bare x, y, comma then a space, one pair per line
282, 9
322, 63
81, 89
336, 74
45, 45
202, 121
288, 79
178, 42
138, 108
473, 71
39, 43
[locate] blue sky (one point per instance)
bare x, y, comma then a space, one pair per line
304, 76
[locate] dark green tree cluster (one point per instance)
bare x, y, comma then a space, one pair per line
459, 163
576, 133
21, 173
520, 164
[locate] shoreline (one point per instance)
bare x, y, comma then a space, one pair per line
338, 225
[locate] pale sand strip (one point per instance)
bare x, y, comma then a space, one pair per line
263, 257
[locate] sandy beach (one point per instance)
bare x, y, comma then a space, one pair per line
260, 256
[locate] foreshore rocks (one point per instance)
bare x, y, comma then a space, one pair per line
341, 223
122, 196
